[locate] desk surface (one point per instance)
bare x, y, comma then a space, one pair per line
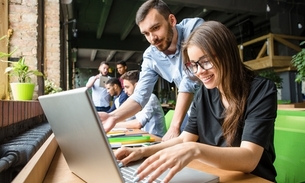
59, 171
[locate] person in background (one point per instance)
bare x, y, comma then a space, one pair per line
231, 125
151, 117
122, 69
100, 96
162, 58
115, 90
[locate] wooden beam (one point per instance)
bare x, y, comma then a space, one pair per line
130, 22
111, 43
287, 43
110, 56
241, 6
128, 55
3, 48
262, 51
104, 16
93, 55
267, 62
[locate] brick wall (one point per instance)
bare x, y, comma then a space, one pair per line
52, 40
23, 15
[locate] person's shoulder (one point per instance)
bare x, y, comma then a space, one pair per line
261, 86
153, 97
260, 81
191, 21
187, 25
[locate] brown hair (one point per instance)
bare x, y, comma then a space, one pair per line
217, 41
132, 76
159, 5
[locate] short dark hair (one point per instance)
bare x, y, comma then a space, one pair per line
121, 62
159, 5
114, 81
132, 76
104, 62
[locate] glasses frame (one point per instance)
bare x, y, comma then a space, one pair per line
200, 62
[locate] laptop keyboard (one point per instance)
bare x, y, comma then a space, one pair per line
128, 176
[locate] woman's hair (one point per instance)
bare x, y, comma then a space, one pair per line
132, 76
159, 5
217, 41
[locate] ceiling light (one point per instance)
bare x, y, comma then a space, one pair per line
268, 8
300, 25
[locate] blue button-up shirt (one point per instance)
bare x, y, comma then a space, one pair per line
169, 67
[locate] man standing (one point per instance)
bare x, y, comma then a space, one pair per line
121, 66
162, 58
151, 117
100, 97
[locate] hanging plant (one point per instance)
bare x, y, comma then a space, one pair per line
298, 60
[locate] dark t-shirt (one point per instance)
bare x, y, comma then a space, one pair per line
257, 127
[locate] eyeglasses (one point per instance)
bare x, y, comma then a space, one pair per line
203, 62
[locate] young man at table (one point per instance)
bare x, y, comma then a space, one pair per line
151, 117
231, 125
162, 58
114, 88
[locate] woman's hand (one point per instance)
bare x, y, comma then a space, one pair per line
173, 158
126, 155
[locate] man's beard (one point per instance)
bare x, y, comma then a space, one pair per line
168, 40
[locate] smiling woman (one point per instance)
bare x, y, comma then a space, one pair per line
232, 116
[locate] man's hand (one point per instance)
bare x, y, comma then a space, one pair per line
171, 133
107, 120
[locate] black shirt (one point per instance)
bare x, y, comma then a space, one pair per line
257, 127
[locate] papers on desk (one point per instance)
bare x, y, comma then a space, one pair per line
118, 131
132, 140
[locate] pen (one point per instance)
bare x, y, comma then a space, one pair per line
126, 135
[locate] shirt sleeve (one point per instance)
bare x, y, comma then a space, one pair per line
146, 83
147, 112
123, 98
261, 112
188, 85
111, 109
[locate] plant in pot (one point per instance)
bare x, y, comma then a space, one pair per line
24, 88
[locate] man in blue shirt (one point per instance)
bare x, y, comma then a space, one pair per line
114, 88
162, 58
151, 117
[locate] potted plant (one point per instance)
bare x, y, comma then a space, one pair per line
298, 60
24, 88
273, 76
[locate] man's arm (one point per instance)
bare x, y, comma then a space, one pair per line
92, 80
184, 101
127, 109
135, 124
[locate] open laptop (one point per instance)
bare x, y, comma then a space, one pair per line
84, 144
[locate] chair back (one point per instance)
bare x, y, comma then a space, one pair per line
168, 118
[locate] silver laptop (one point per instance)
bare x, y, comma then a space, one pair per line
84, 144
